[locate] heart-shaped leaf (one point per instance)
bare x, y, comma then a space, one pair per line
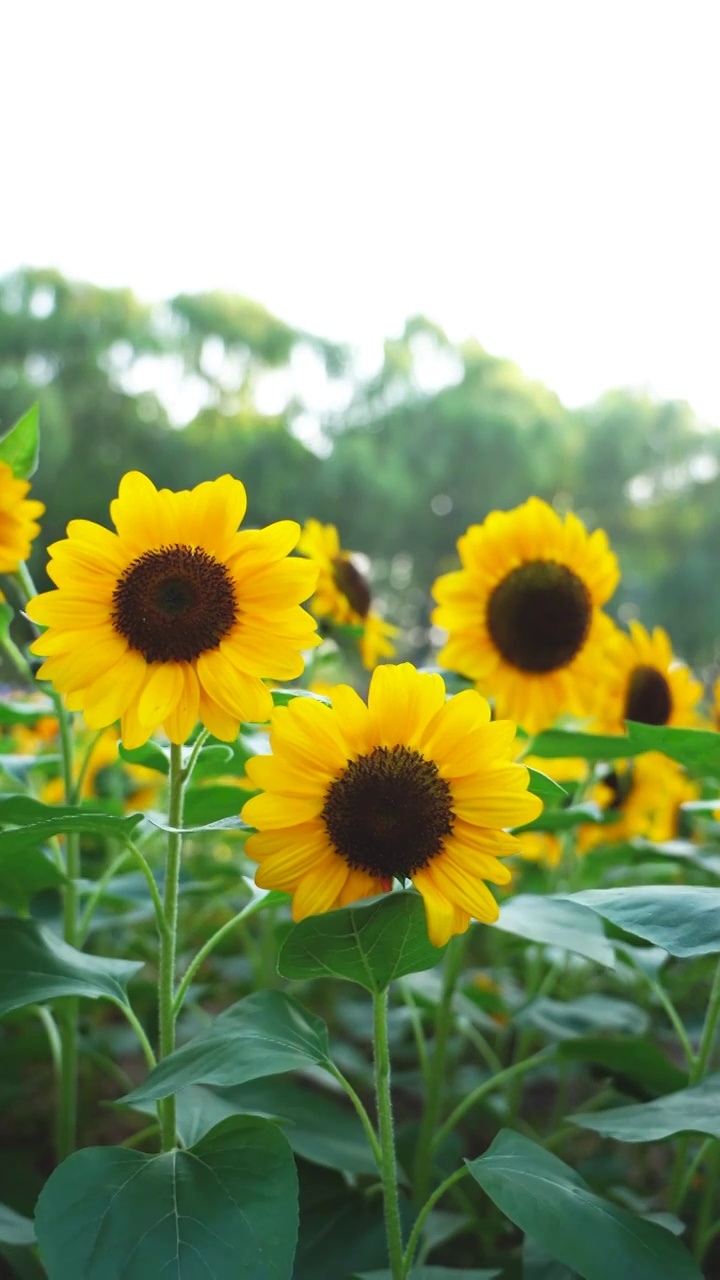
265, 1034
36, 965
34, 822
548, 920
548, 1200
635, 1064
23, 873
695, 1110
226, 1207
682, 919
371, 944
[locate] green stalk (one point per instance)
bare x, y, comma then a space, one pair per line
430, 1203
489, 1086
436, 1072
383, 1097
168, 938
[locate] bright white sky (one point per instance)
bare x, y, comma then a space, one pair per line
542, 175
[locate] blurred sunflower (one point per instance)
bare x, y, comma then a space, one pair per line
177, 616
134, 785
646, 684
539, 846
408, 786
646, 794
343, 593
18, 520
523, 614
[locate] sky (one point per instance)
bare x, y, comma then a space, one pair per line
540, 176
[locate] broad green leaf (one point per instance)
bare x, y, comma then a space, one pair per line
564, 1019
370, 944
150, 756
635, 1064
317, 1127
432, 1273
548, 920
17, 712
565, 819
36, 965
549, 1201
546, 788
341, 1228
697, 749
682, 919
694, 1110
14, 1229
265, 1034
20, 446
34, 822
23, 873
211, 804
561, 744
226, 1207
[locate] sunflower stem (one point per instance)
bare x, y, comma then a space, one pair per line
429, 1205
383, 1098
436, 1074
168, 937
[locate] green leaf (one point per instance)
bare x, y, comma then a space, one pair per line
565, 819
210, 804
548, 920
14, 1229
337, 1223
35, 822
36, 965
7, 613
317, 1127
431, 1273
226, 1207
548, 1200
150, 756
549, 791
561, 744
682, 919
635, 1064
281, 697
565, 1019
694, 1110
370, 944
538, 1264
265, 1034
20, 446
23, 873
13, 712
697, 749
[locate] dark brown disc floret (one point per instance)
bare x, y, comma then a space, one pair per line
389, 812
539, 616
174, 603
648, 699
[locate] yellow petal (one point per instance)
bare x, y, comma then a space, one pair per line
267, 810
181, 722
270, 774
106, 700
439, 912
319, 890
239, 695
161, 694
402, 701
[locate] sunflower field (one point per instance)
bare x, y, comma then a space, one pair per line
317, 963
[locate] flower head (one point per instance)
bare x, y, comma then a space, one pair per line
646, 684
645, 795
18, 520
175, 617
523, 614
407, 787
343, 592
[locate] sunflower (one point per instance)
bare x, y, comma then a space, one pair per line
540, 846
177, 616
523, 616
18, 520
408, 786
646, 684
646, 795
343, 593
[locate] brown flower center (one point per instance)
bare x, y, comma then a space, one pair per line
539, 616
174, 604
353, 585
648, 699
389, 812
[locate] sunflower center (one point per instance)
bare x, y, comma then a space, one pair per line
648, 697
389, 812
353, 585
539, 616
174, 603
